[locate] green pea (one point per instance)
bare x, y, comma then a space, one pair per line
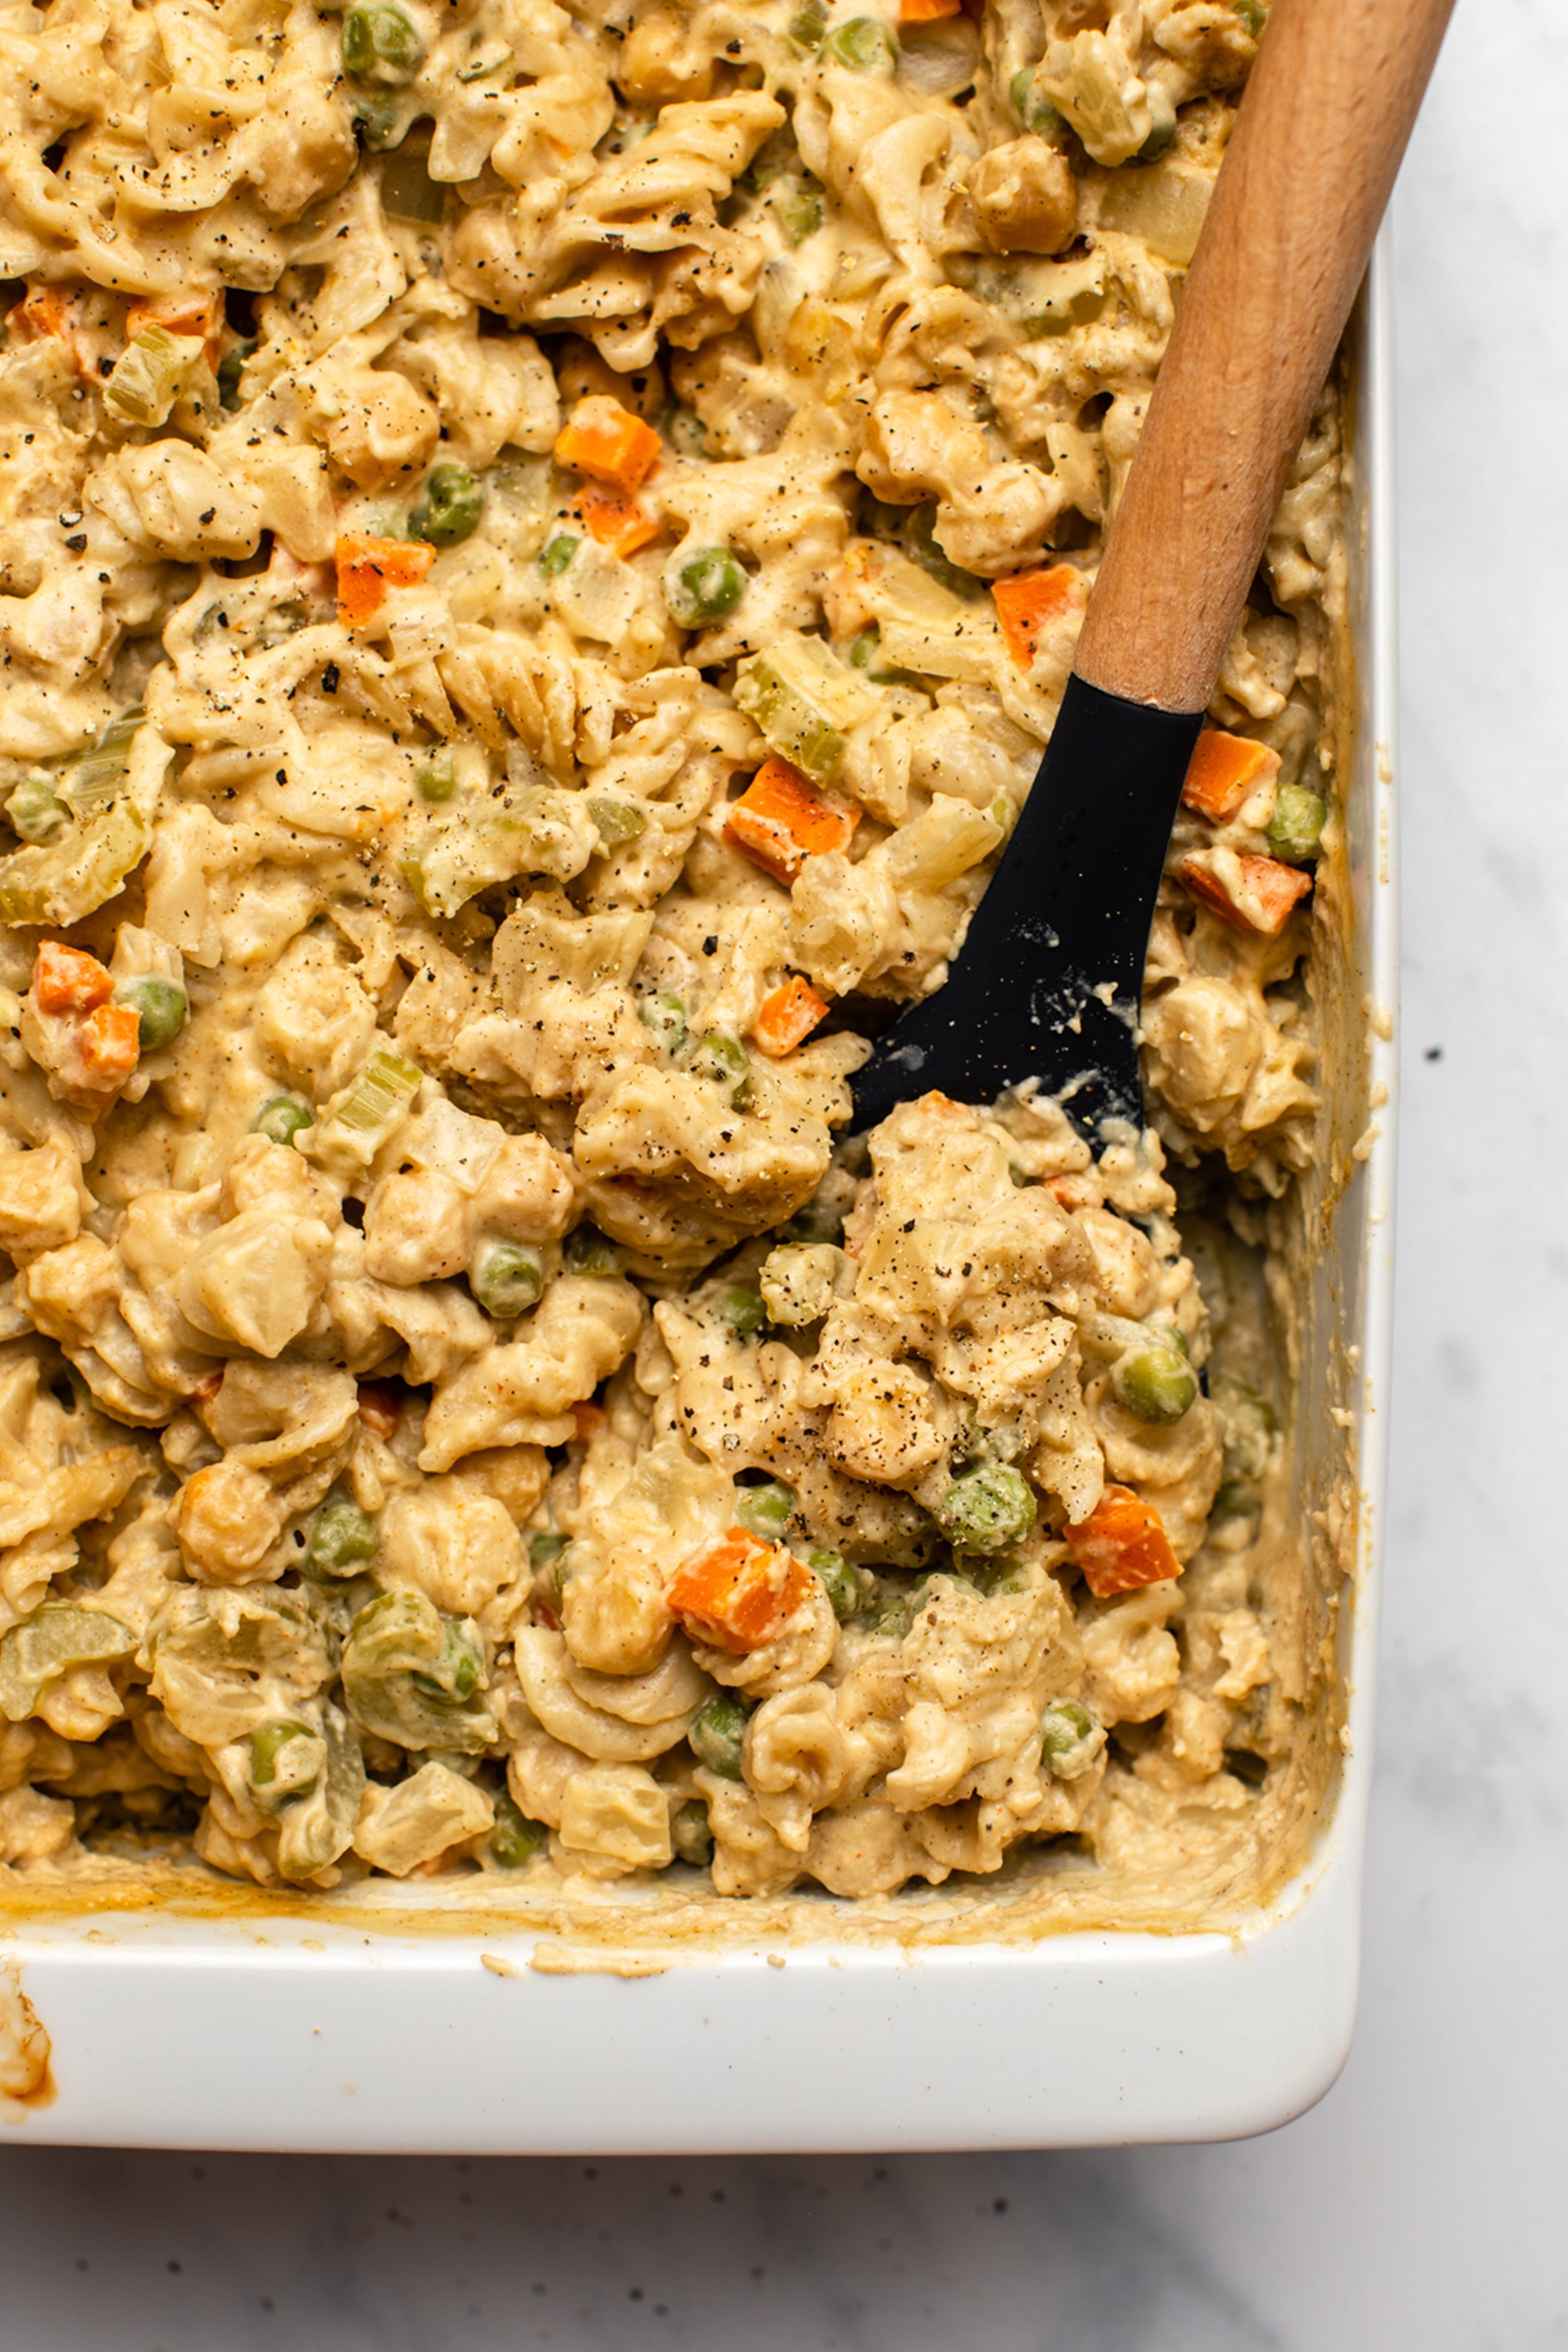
286, 1760
437, 781
887, 1612
665, 1015
451, 508
342, 1540
727, 1062
703, 588
558, 554
717, 1728
1155, 1385
379, 114
507, 1278
1036, 114
231, 367
766, 1510
36, 810
381, 44
455, 1673
281, 1118
691, 1837
515, 1839
864, 44
587, 1252
164, 1008
838, 1579
546, 1547
989, 1509
1253, 16
1295, 830
1071, 1738
617, 820
742, 1310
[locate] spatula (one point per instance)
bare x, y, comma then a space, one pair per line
1049, 981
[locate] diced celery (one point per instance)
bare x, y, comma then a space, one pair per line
618, 821
56, 1640
799, 206
95, 776
787, 692
355, 1125
150, 374
864, 44
71, 876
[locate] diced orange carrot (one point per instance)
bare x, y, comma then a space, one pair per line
1029, 600
736, 1592
1246, 892
925, 12
368, 567
1121, 1544
782, 819
108, 1045
605, 440
1075, 1191
381, 1406
1223, 771
589, 1418
191, 315
787, 1017
65, 979
53, 311
621, 524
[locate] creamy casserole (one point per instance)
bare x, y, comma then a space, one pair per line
538, 552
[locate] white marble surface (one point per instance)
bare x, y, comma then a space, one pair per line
1421, 2204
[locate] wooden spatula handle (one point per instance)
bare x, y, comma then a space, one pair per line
1305, 179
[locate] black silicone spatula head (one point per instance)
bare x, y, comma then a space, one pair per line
1048, 983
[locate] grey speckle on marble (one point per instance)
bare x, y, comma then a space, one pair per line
1421, 2205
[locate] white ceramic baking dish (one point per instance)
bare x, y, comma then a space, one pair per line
441, 2030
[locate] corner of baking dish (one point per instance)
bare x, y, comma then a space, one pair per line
435, 2027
